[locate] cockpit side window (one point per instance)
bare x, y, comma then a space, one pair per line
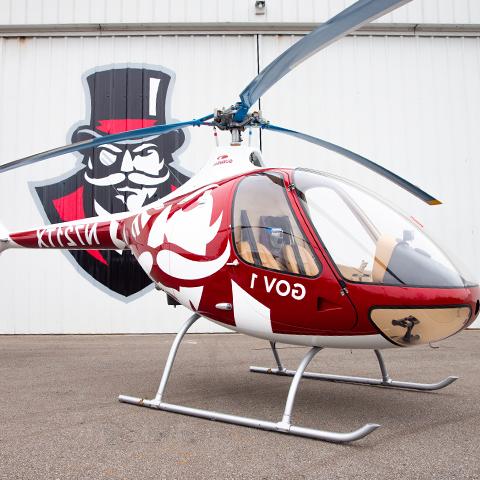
350, 243
266, 233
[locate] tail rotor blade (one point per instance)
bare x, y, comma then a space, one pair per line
374, 167
353, 17
95, 142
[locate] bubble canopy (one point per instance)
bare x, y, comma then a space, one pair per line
369, 240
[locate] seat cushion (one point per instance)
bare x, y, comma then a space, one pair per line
266, 258
383, 253
311, 268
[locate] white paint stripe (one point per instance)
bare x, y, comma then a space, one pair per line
180, 267
135, 227
152, 97
146, 262
348, 342
250, 315
157, 232
197, 193
187, 296
191, 294
363, 342
113, 235
145, 216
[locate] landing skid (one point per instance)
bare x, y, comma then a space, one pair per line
385, 381
283, 426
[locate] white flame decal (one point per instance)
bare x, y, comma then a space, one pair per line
183, 268
190, 229
146, 262
157, 233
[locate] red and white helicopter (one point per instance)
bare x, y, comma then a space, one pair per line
288, 255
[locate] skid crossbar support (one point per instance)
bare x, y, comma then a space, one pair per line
277, 357
284, 426
385, 381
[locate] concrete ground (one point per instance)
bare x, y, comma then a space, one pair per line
59, 417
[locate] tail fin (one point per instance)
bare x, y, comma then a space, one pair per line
4, 238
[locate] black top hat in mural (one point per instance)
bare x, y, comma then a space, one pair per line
123, 99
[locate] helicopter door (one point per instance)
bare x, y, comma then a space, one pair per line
284, 282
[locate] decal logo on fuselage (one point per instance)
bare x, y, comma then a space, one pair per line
69, 236
281, 287
222, 159
192, 228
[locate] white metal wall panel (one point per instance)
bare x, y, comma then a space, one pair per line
42, 96
410, 104
29, 12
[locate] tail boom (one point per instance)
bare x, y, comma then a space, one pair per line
87, 234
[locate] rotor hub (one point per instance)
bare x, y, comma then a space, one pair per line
224, 119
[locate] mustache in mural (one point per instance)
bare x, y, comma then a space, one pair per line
127, 180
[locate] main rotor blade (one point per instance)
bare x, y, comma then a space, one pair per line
95, 142
350, 19
374, 167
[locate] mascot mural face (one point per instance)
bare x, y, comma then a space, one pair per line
118, 177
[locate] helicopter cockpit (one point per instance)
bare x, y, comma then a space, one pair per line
266, 232
368, 240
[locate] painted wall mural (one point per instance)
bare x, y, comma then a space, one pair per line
117, 177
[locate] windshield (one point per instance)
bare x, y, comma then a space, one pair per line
368, 240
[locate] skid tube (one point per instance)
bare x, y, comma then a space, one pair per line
385, 381
283, 426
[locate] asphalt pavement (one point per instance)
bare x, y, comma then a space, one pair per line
60, 418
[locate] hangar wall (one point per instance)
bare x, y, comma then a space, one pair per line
407, 98
186, 13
